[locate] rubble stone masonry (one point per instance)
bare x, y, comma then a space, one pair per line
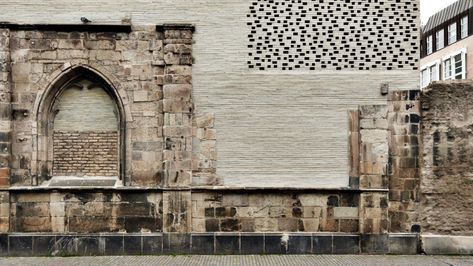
447, 159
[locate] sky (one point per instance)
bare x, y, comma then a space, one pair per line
430, 7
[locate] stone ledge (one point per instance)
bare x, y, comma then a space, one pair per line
68, 27
174, 26
199, 189
447, 245
50, 244
228, 188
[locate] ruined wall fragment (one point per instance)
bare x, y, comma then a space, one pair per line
404, 178
447, 164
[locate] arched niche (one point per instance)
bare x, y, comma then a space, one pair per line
79, 109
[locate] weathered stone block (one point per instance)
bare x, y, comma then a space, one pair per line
275, 244
266, 225
178, 70
252, 244
70, 44
345, 213
180, 106
290, 225
100, 44
178, 49
311, 225
300, 244
346, 244
322, 244
20, 245
230, 225
107, 55
202, 244
373, 111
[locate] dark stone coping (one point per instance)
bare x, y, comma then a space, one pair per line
68, 27
90, 27
173, 26
55, 244
197, 189
279, 189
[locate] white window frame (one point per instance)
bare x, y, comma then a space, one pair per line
427, 75
452, 33
424, 78
440, 39
429, 44
447, 68
464, 27
449, 74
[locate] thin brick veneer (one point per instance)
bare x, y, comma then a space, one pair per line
85, 153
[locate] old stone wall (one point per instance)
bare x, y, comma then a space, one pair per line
5, 127
204, 151
275, 212
404, 176
384, 156
86, 211
146, 72
373, 146
85, 153
5, 105
132, 62
447, 164
368, 154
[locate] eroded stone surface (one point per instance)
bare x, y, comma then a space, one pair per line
447, 165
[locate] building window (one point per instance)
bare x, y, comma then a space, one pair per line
458, 69
429, 73
424, 78
464, 27
439, 37
447, 69
455, 66
452, 33
429, 44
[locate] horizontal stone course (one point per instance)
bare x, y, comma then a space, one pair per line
208, 244
269, 212
86, 212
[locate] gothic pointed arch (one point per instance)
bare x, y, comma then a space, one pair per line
81, 127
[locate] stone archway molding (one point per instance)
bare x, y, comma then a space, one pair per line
48, 90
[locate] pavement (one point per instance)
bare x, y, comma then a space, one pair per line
254, 260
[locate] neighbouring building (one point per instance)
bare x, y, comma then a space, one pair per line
447, 43
212, 127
